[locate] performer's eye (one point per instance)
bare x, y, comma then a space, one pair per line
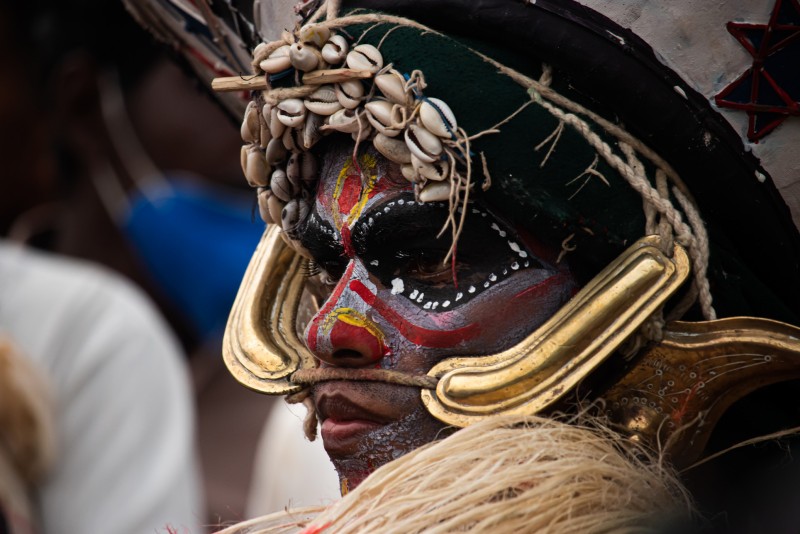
426, 266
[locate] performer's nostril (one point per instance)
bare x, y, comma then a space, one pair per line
346, 353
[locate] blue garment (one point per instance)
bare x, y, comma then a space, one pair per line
196, 240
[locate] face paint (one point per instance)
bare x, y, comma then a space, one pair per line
395, 305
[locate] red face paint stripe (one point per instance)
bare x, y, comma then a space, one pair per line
418, 335
346, 242
535, 290
328, 307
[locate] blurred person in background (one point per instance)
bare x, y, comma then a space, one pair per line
113, 155
96, 419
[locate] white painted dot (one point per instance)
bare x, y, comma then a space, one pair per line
492, 277
475, 211
513, 246
471, 289
486, 284
401, 202
505, 271
435, 305
523, 254
761, 177
446, 303
391, 203
499, 231
374, 262
419, 298
427, 305
413, 294
459, 296
398, 286
527, 264
386, 209
411, 203
515, 266
371, 221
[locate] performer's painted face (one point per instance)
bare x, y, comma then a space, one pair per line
392, 304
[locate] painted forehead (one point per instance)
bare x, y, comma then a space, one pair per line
350, 187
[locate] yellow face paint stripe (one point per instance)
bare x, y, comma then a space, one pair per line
368, 163
354, 318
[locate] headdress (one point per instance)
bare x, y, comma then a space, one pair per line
578, 130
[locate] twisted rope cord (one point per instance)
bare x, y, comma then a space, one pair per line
308, 377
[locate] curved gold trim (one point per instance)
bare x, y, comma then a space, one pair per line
695, 374
535, 373
261, 347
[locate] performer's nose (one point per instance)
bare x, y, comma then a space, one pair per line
351, 345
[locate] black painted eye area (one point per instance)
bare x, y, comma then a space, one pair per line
397, 243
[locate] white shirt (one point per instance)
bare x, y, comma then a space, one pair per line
125, 459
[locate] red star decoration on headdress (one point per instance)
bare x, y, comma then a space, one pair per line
770, 89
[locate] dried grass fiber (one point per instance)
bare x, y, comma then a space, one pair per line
503, 475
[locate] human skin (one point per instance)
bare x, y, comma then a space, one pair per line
393, 304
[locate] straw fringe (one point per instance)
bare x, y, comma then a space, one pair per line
504, 475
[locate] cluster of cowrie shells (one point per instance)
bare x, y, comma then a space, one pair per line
366, 99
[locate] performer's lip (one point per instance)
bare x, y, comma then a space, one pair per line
345, 421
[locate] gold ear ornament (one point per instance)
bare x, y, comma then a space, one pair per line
261, 347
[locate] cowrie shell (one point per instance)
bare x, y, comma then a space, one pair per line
302, 170
345, 120
308, 170
250, 129
435, 192
264, 137
278, 61
256, 167
280, 185
293, 139
270, 114
293, 170
335, 50
436, 171
393, 149
311, 130
364, 133
263, 204
393, 86
258, 52
382, 114
275, 207
303, 57
350, 93
323, 101
275, 152
243, 158
291, 112
365, 57
437, 117
314, 33
409, 173
422, 143
294, 212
